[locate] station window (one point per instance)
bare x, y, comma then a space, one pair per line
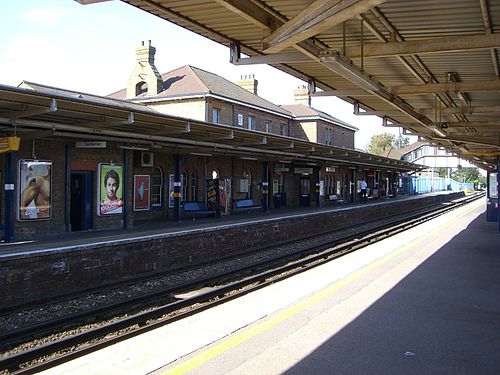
157, 188
283, 129
240, 119
247, 183
251, 123
328, 136
216, 115
269, 127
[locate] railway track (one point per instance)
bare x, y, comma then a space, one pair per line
212, 291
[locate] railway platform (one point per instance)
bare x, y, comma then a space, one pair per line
421, 302
151, 228
74, 262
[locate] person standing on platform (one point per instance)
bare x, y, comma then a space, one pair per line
363, 186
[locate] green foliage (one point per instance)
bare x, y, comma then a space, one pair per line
465, 174
469, 175
381, 144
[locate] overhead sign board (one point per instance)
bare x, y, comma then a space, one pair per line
91, 144
301, 170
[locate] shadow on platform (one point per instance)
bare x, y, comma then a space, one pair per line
443, 318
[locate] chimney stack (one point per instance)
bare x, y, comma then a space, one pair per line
249, 83
145, 73
302, 96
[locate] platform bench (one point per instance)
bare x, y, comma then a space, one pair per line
333, 198
197, 208
245, 205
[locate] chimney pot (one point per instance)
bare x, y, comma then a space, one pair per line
145, 73
248, 82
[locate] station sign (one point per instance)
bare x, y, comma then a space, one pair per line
8, 144
302, 170
90, 144
281, 169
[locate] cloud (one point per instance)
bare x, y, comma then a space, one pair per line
46, 16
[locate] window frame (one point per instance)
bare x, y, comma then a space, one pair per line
159, 187
251, 123
216, 115
194, 186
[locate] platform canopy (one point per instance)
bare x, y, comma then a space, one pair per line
429, 66
57, 113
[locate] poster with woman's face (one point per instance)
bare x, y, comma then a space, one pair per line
35, 186
110, 189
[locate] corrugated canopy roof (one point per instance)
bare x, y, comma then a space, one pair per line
429, 66
37, 111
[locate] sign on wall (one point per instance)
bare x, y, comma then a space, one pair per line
304, 171
35, 187
243, 185
141, 192
110, 189
8, 144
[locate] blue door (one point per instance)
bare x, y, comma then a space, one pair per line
81, 200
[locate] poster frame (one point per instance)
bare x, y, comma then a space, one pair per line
147, 191
22, 186
101, 172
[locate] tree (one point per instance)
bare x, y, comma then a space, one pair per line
380, 144
466, 174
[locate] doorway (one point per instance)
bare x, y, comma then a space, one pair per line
305, 186
81, 200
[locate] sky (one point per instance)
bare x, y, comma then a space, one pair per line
91, 48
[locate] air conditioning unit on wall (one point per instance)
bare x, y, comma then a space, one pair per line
146, 159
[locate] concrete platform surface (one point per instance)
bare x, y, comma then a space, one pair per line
422, 302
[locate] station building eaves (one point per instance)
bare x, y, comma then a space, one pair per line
37, 111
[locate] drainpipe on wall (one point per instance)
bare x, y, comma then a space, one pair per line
125, 178
67, 190
10, 158
317, 186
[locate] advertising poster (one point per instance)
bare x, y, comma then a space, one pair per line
35, 186
225, 196
213, 195
141, 192
171, 191
110, 189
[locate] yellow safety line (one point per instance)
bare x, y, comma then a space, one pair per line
234, 341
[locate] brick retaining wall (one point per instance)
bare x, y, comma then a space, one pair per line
32, 277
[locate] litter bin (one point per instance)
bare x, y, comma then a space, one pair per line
277, 200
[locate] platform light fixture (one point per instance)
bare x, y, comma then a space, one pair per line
346, 69
135, 148
439, 131
247, 158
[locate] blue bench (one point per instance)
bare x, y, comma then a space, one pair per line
335, 199
245, 205
197, 208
